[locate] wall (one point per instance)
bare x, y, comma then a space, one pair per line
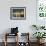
24, 25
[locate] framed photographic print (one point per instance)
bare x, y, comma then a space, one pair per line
18, 13
41, 12
41, 8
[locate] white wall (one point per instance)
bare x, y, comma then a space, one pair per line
24, 25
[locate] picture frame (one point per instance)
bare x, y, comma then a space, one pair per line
18, 13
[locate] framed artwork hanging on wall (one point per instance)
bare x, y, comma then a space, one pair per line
41, 12
18, 13
41, 8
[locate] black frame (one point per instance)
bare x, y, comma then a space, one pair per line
15, 10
